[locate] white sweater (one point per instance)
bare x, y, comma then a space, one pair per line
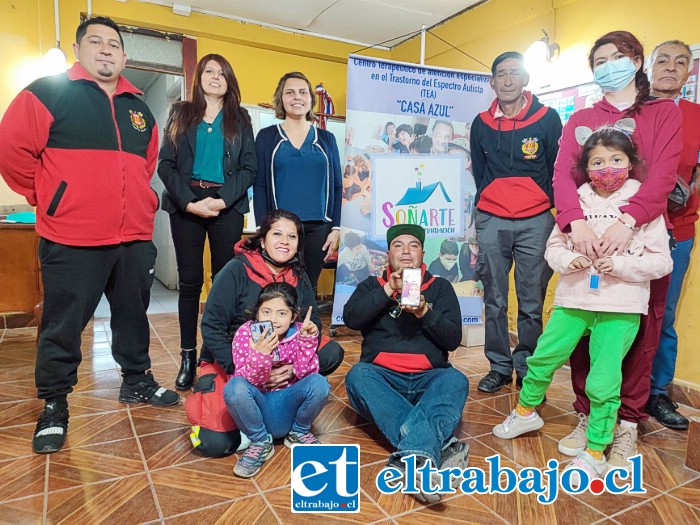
626, 288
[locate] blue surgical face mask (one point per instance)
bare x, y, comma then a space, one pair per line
615, 75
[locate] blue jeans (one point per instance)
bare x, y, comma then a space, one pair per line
416, 412
291, 409
664, 366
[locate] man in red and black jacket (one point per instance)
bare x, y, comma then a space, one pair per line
513, 145
404, 381
82, 147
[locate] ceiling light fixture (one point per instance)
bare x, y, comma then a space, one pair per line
540, 53
55, 58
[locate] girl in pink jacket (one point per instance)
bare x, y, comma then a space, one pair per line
603, 297
289, 410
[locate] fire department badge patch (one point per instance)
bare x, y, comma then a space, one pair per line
137, 120
530, 147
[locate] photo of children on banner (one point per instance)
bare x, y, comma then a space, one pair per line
445, 265
460, 146
354, 260
350, 183
389, 135
287, 411
422, 145
356, 177
442, 134
603, 297
404, 137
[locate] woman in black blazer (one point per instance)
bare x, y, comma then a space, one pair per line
207, 163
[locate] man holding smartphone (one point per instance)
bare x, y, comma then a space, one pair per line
404, 381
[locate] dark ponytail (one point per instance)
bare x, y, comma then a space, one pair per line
641, 81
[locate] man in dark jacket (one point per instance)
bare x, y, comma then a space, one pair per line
404, 382
513, 145
82, 148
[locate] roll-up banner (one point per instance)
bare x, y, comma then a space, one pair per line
407, 160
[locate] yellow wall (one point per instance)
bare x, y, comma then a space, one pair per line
260, 56
501, 25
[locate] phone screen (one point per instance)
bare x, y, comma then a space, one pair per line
260, 330
410, 290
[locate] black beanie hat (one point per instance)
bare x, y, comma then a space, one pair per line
505, 56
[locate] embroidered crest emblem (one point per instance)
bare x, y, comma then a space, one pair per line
530, 147
137, 120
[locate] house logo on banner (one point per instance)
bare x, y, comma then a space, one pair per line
407, 160
416, 190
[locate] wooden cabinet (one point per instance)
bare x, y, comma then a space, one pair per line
20, 275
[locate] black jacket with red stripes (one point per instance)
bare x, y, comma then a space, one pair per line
513, 159
405, 344
84, 159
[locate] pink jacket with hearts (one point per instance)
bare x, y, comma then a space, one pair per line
295, 349
626, 288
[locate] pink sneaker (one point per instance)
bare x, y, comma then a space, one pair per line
595, 468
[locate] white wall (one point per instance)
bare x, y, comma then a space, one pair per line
159, 101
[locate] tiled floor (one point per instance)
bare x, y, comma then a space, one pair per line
125, 464
163, 301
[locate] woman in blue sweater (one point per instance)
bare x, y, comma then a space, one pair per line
299, 170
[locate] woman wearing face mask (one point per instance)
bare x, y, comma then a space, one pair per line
616, 60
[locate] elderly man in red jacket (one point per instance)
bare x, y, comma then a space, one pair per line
671, 63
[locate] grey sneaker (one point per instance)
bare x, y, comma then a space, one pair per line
295, 438
623, 447
515, 425
253, 458
584, 461
421, 496
455, 455
575, 442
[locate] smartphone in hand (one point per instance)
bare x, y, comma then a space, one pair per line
260, 330
410, 290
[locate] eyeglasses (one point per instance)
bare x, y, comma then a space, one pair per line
396, 310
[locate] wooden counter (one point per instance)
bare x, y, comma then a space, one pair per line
20, 275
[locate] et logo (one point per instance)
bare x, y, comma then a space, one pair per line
326, 478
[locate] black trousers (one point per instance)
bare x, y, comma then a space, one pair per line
330, 357
74, 279
189, 233
315, 235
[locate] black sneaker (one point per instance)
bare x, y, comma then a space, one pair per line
147, 390
664, 410
51, 428
494, 381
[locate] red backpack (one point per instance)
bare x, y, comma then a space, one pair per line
214, 432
